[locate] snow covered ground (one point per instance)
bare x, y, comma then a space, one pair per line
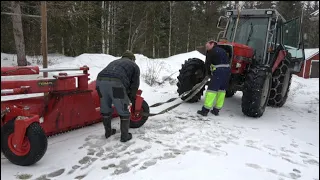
281, 145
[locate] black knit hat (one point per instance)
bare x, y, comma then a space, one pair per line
129, 54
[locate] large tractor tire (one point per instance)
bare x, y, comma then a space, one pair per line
191, 73
34, 145
256, 90
281, 81
137, 122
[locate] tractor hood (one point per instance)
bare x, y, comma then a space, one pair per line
239, 49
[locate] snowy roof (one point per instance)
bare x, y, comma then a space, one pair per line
309, 53
316, 13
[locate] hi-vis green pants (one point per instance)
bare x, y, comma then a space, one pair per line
217, 88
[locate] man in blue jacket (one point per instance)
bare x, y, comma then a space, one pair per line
117, 84
218, 68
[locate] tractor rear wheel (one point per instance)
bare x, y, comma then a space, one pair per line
281, 81
136, 122
256, 90
33, 148
192, 72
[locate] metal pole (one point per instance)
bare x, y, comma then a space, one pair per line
301, 42
59, 69
44, 47
235, 29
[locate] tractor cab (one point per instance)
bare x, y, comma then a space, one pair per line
265, 32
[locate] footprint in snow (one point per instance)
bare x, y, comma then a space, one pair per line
294, 145
311, 162
306, 153
108, 167
85, 160
273, 171
56, 173
140, 150
287, 150
24, 176
91, 152
100, 153
123, 166
255, 166
80, 177
75, 167
148, 164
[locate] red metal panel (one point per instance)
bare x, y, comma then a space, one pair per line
39, 86
70, 111
242, 51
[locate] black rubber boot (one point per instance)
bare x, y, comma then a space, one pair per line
215, 111
203, 112
107, 127
124, 127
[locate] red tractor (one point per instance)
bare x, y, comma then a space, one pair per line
70, 102
264, 50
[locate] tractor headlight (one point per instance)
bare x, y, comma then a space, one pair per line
229, 13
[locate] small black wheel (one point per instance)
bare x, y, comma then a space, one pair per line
136, 122
33, 148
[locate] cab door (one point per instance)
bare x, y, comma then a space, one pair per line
293, 42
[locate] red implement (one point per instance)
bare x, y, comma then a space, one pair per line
71, 102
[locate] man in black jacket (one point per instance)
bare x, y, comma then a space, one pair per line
117, 84
218, 68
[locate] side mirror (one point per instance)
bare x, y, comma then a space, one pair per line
222, 22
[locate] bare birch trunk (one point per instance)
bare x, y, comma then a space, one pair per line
169, 44
189, 29
103, 47
108, 28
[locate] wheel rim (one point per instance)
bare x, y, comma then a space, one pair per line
135, 118
285, 84
265, 92
25, 148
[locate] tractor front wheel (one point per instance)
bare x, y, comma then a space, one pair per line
138, 121
256, 90
34, 145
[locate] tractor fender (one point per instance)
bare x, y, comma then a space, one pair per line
280, 57
281, 53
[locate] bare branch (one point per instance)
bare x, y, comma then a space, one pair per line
27, 15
